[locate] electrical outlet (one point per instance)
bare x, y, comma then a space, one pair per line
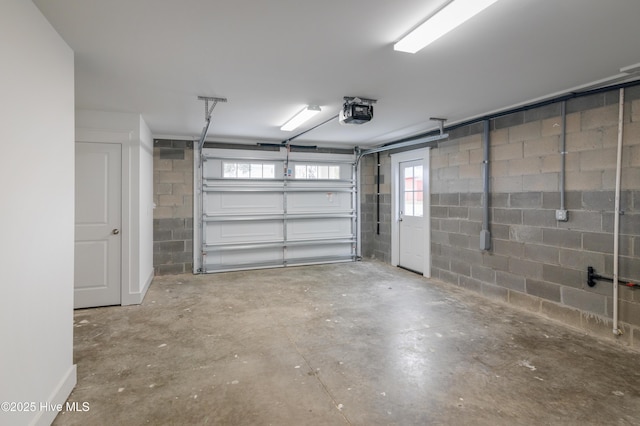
562, 215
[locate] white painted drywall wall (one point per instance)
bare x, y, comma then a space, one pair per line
133, 134
146, 207
36, 213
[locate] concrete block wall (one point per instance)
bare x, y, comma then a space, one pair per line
173, 213
536, 262
376, 241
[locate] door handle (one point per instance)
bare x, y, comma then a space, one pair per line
400, 217
116, 231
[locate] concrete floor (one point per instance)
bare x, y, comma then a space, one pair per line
346, 344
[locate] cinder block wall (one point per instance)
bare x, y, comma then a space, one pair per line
376, 241
173, 213
536, 262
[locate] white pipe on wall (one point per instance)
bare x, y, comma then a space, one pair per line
485, 235
616, 218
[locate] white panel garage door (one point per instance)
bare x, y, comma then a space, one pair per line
261, 209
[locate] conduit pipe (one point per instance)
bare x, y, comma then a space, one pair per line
539, 104
485, 235
616, 215
378, 194
563, 155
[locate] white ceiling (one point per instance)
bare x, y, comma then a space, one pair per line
270, 58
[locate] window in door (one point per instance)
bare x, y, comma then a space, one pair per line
413, 191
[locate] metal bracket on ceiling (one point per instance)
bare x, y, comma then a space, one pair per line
441, 120
358, 99
207, 99
207, 115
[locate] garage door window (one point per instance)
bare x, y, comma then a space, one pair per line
317, 171
233, 170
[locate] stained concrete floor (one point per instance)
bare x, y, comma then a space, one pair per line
346, 344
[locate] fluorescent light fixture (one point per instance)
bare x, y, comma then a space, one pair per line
300, 118
445, 20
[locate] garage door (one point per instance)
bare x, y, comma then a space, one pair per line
263, 209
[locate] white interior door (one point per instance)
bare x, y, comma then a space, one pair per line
98, 201
411, 217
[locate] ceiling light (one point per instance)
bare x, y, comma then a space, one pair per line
300, 118
445, 20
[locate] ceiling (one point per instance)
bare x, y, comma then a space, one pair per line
271, 58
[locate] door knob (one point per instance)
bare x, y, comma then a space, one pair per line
115, 231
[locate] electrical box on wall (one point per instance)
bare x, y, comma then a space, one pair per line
562, 215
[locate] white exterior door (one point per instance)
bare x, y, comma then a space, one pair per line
410, 229
98, 198
411, 216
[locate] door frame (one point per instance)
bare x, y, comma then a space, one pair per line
396, 159
124, 140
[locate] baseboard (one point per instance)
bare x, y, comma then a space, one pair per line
137, 298
58, 396
146, 285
